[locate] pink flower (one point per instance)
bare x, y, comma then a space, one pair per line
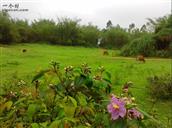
116, 108
134, 114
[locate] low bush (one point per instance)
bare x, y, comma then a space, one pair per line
160, 87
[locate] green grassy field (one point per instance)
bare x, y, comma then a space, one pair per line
24, 65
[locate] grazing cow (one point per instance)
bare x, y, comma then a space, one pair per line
140, 58
24, 50
105, 52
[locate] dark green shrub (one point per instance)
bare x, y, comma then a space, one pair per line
160, 87
144, 45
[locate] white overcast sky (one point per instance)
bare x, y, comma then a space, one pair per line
98, 12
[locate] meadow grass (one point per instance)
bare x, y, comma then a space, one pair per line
24, 65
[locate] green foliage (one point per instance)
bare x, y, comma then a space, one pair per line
70, 101
144, 45
68, 31
8, 31
90, 35
43, 30
160, 87
75, 98
162, 28
114, 37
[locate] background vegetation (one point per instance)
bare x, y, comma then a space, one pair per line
152, 39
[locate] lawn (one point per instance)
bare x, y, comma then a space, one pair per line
24, 65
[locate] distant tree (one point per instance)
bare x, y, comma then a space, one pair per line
24, 30
109, 24
8, 31
68, 31
90, 35
131, 27
115, 37
162, 29
44, 30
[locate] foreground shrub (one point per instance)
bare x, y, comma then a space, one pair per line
160, 87
144, 45
72, 97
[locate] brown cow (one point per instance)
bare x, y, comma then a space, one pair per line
140, 58
105, 52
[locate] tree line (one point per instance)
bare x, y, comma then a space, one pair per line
152, 39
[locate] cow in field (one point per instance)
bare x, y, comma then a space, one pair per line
140, 58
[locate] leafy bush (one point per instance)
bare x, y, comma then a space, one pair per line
144, 45
160, 87
73, 97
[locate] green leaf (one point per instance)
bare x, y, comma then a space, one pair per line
55, 124
20, 100
79, 80
73, 101
40, 74
35, 125
107, 80
89, 82
69, 111
81, 99
31, 111
8, 105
